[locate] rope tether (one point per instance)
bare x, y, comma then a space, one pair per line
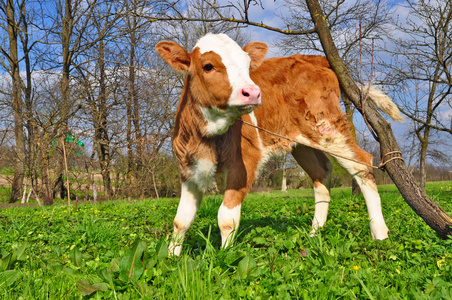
381, 166
383, 162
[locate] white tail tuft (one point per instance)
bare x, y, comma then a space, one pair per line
383, 102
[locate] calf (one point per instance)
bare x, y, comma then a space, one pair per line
300, 100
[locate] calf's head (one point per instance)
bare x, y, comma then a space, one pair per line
218, 78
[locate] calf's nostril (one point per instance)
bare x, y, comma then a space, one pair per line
251, 95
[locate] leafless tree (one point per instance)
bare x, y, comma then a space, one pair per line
103, 34
67, 28
12, 26
29, 43
422, 69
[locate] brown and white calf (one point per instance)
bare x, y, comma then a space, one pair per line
300, 100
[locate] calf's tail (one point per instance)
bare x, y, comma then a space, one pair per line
382, 102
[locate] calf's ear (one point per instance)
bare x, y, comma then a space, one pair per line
174, 55
257, 52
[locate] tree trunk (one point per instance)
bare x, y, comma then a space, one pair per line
94, 191
136, 120
32, 163
58, 186
423, 159
19, 164
284, 175
134, 108
89, 170
425, 138
133, 100
45, 179
129, 167
425, 207
101, 128
356, 190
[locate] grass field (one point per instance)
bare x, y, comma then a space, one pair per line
118, 250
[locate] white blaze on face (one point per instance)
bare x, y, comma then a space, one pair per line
237, 63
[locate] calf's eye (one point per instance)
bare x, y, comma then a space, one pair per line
208, 68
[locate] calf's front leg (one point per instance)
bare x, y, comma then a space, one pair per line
239, 180
229, 216
189, 203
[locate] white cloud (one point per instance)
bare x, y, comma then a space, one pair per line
445, 115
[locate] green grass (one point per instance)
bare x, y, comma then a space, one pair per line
5, 193
7, 171
118, 250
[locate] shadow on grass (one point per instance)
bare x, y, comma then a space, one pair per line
281, 225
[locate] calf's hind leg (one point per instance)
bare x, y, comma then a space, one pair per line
318, 167
366, 181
